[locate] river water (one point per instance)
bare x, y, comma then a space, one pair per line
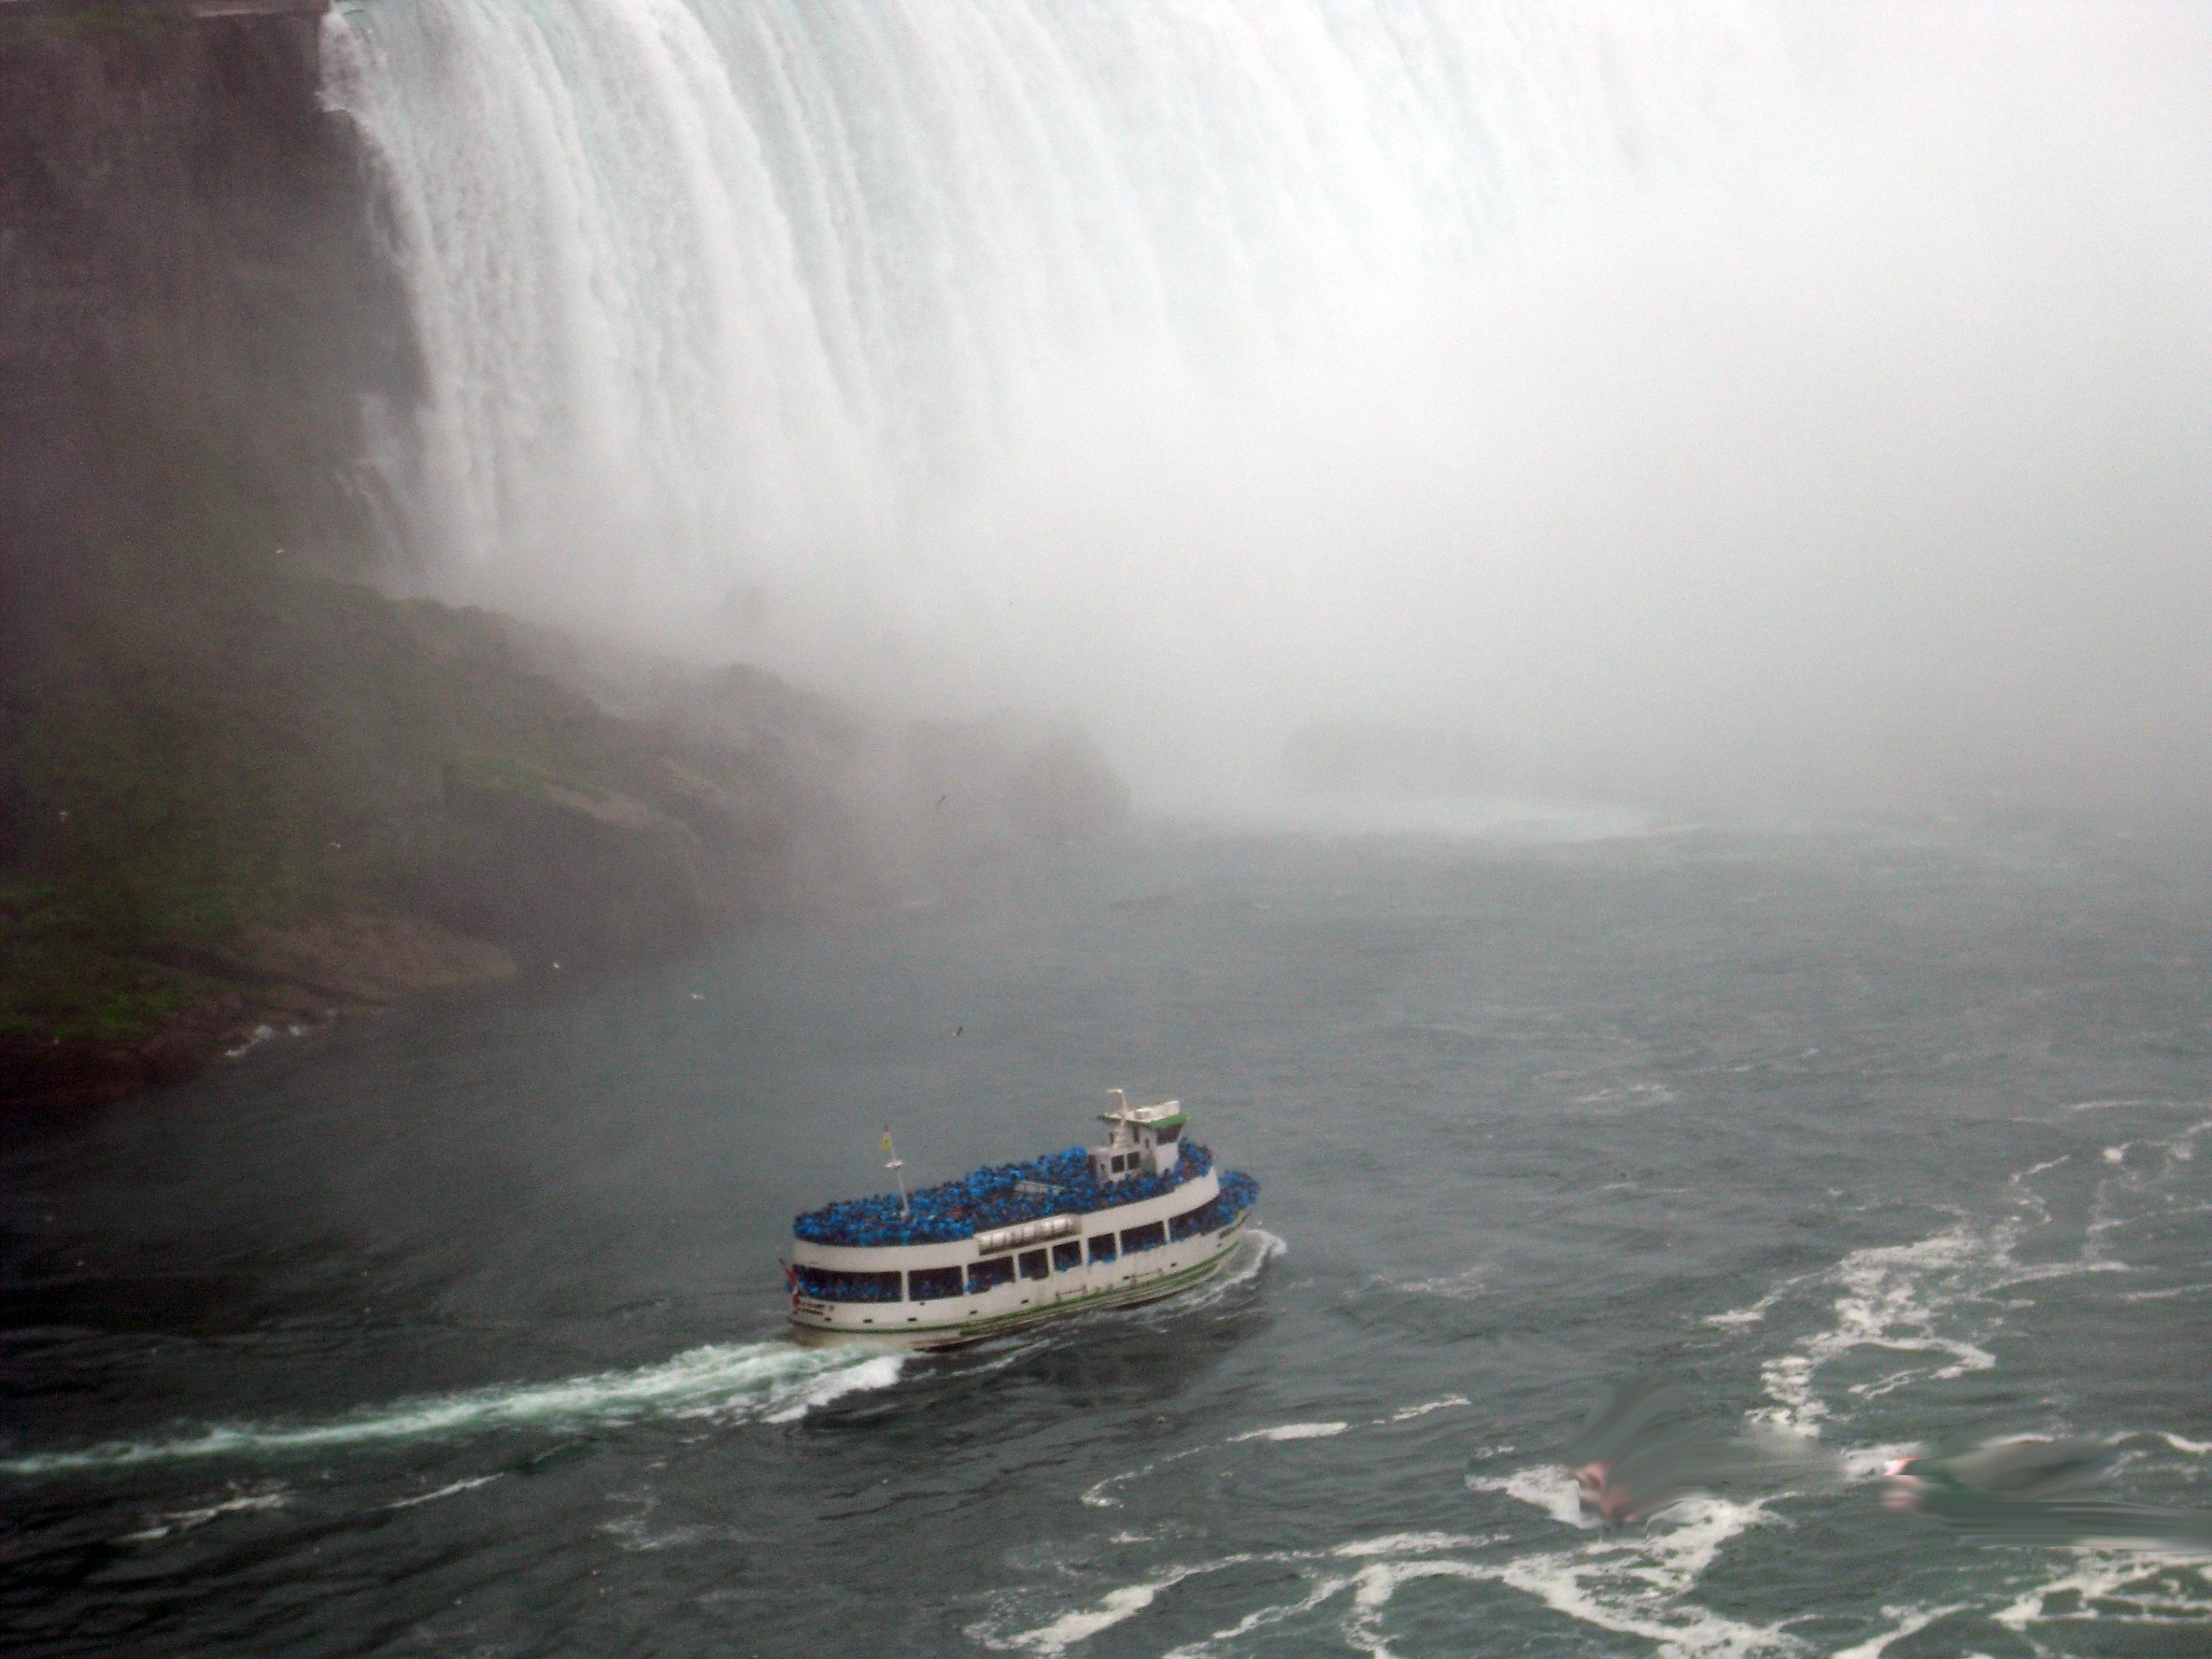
457, 1330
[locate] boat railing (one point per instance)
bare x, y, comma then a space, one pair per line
991, 1200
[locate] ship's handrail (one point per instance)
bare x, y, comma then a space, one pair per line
995, 1197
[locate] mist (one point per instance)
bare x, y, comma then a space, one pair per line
1791, 410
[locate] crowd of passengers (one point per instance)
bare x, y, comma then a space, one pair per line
1237, 1193
1058, 1183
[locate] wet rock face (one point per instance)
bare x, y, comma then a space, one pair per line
271, 979
240, 789
372, 959
566, 874
195, 307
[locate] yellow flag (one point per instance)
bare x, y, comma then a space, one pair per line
887, 1140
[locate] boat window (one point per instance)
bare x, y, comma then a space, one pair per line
1210, 1217
827, 1284
1066, 1257
1102, 1247
933, 1284
1143, 1238
1166, 1137
1033, 1265
989, 1275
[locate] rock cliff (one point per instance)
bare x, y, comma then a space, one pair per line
240, 787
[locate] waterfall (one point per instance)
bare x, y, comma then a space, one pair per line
1683, 393
719, 296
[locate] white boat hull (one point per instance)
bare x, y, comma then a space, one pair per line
950, 1321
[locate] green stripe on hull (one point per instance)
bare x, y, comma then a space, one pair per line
976, 1330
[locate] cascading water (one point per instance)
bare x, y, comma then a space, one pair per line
726, 305
1675, 397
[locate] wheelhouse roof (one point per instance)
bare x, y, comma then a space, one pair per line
1165, 1114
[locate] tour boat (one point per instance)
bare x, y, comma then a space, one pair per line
1143, 1216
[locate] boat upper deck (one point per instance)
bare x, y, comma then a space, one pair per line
997, 1195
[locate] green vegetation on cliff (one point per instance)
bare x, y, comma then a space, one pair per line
240, 787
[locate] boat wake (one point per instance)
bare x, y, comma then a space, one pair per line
725, 1383
1254, 1251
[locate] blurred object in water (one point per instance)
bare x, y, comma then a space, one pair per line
2009, 1489
1637, 1453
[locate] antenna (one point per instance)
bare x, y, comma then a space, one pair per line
898, 1167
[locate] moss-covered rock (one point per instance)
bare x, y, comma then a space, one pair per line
241, 787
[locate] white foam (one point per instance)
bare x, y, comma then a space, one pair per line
879, 1372
1407, 1543
2142, 1587
1099, 1495
2194, 1447
1641, 1591
1119, 1605
1546, 1487
1255, 1251
254, 1039
1454, 1287
1324, 1591
1635, 1586
1291, 1431
1910, 1619
185, 1520
1111, 1609
1901, 1299
1757, 1311
1631, 1585
442, 1492
772, 1381
1407, 1413
1630, 1094
636, 1532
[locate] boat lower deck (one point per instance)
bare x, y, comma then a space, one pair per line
958, 1321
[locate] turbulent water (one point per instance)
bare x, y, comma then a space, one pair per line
458, 1329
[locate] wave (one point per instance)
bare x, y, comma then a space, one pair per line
1623, 1586
2131, 1587
736, 1383
1254, 1252
1938, 1301
186, 1520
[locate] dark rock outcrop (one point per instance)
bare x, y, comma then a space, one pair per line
197, 318
564, 874
242, 788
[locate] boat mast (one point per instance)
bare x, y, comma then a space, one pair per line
898, 1167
